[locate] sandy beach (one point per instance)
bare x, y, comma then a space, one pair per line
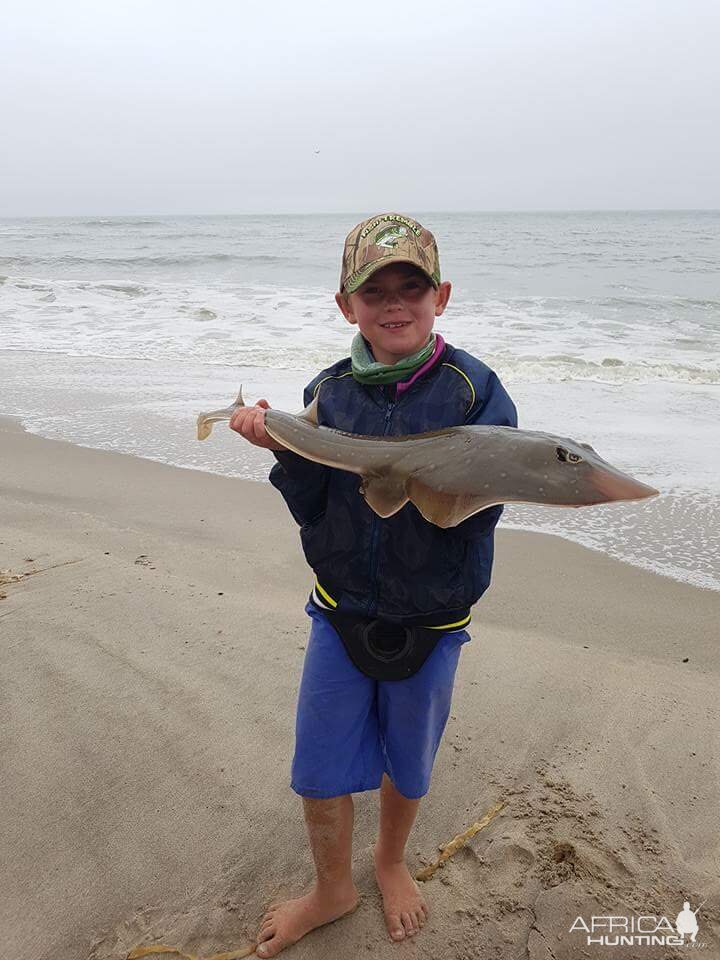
151, 655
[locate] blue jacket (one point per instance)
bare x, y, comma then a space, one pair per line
403, 566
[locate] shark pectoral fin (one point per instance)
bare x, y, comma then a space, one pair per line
384, 495
442, 509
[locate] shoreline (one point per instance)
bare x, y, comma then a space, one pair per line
255, 467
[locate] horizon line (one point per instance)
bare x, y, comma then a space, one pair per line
350, 213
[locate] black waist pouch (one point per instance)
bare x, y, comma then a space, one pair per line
381, 649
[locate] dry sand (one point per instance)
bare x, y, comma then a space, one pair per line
148, 684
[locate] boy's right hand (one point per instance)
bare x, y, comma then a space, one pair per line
249, 422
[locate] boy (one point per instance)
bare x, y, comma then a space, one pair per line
379, 578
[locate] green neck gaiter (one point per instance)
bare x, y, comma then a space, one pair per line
367, 370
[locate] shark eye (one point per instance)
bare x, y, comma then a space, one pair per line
565, 456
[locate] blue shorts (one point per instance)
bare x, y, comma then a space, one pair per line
350, 729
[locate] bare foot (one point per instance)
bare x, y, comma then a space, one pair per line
286, 922
404, 906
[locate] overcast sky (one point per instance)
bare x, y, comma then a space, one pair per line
166, 106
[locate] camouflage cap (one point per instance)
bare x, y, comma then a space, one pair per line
387, 238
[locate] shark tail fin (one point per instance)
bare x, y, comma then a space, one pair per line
206, 420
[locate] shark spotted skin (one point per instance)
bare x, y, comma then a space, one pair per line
453, 473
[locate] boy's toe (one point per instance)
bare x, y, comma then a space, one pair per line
395, 927
268, 949
407, 923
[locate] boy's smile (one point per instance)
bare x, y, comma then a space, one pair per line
395, 310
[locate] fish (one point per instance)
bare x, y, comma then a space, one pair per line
455, 472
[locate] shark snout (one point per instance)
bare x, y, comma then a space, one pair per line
614, 485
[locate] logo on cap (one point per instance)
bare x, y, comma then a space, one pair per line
390, 236
367, 227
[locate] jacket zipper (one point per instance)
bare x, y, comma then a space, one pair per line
375, 533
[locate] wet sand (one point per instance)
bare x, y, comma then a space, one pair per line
147, 694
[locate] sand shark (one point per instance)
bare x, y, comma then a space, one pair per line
453, 473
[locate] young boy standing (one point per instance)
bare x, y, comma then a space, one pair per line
392, 596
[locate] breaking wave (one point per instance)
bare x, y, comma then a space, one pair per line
70, 260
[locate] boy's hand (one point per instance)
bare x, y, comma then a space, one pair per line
249, 422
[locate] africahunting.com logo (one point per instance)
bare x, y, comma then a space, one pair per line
647, 930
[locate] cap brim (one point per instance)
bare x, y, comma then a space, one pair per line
370, 268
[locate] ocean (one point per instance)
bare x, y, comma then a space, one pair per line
603, 326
